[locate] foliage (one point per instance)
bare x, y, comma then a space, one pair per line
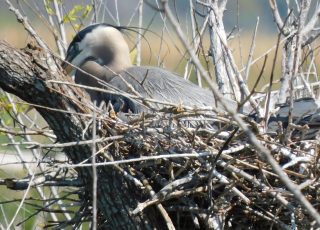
77, 14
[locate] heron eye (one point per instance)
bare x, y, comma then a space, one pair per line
76, 47
91, 58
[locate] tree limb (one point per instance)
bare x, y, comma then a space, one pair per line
25, 74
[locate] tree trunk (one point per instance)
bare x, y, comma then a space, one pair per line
25, 74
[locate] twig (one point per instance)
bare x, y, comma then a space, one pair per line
248, 66
94, 173
140, 13
260, 149
33, 33
22, 201
267, 106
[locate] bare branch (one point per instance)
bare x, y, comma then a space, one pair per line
276, 14
265, 153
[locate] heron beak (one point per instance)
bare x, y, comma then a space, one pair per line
67, 68
75, 59
65, 64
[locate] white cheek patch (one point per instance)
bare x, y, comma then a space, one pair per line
92, 39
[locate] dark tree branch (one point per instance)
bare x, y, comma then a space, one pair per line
25, 74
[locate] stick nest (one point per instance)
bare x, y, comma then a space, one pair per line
201, 172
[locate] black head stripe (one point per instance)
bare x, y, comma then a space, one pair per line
82, 33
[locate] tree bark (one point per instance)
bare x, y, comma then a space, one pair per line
25, 74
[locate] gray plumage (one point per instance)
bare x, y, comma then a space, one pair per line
100, 50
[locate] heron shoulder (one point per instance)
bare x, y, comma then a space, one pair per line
164, 85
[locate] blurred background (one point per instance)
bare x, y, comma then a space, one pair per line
160, 47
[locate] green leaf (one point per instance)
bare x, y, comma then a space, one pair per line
72, 15
77, 26
87, 11
48, 7
77, 12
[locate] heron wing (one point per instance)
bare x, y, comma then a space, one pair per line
165, 86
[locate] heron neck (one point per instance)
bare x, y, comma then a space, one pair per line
119, 62
114, 53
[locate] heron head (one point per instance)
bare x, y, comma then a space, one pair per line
101, 43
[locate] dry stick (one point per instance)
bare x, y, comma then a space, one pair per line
33, 33
225, 75
255, 84
224, 147
27, 167
267, 106
223, 5
214, 162
75, 143
158, 198
117, 12
27, 132
267, 52
311, 66
239, 37
160, 207
271, 218
106, 9
247, 71
171, 37
46, 208
224, 180
243, 87
54, 33
276, 15
197, 43
61, 28
169, 192
53, 109
310, 26
94, 173
95, 11
140, 13
224, 155
43, 180
147, 158
194, 35
101, 151
34, 153
134, 12
34, 145
4, 217
22, 200
256, 182
294, 72
159, 59
253, 139
221, 163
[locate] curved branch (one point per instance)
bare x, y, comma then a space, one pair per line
26, 74
276, 14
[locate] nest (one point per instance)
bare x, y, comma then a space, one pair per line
207, 175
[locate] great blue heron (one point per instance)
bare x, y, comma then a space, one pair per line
102, 53
101, 50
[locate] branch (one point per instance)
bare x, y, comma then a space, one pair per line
253, 139
23, 184
276, 15
26, 69
34, 34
